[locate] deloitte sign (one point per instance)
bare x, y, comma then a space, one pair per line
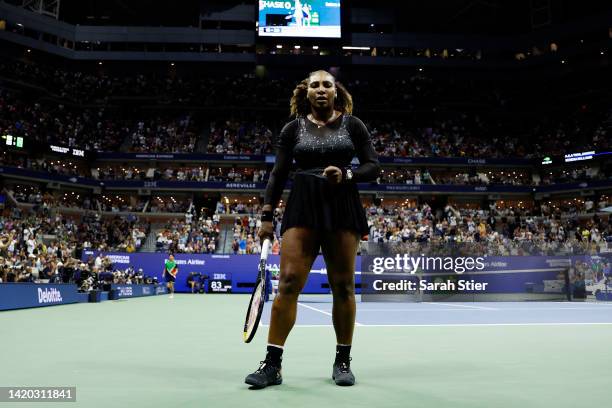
24, 295
49, 295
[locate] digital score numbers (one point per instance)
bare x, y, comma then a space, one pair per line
220, 283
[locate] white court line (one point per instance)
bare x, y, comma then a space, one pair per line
465, 324
490, 324
466, 306
587, 304
322, 311
315, 309
420, 310
479, 310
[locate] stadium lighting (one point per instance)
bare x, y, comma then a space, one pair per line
347, 47
315, 47
297, 47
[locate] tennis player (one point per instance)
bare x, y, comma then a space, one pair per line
323, 211
170, 272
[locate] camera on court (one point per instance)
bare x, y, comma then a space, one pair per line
196, 281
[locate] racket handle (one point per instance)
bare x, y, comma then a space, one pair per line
265, 248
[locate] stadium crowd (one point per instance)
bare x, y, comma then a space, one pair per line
38, 244
87, 116
239, 137
507, 231
95, 128
190, 235
91, 111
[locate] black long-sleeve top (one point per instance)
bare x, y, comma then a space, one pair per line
315, 147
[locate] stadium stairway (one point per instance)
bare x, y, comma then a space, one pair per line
226, 235
126, 144
151, 240
202, 143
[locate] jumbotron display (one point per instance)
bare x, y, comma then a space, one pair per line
300, 18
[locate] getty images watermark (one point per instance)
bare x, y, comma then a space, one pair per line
476, 271
414, 271
399, 271
405, 274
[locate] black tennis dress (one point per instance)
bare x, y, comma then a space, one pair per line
313, 201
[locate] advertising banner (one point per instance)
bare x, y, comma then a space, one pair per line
24, 295
492, 275
121, 291
240, 270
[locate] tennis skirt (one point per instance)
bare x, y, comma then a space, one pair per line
315, 203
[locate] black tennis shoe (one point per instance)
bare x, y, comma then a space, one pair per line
268, 373
342, 373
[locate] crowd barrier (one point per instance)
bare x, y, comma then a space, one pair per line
590, 276
122, 291
25, 295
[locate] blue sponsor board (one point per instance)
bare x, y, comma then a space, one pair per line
182, 157
121, 291
604, 296
260, 186
575, 186
185, 185
241, 270
24, 295
445, 188
503, 274
457, 161
16, 171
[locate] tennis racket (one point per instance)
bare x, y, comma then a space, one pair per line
257, 298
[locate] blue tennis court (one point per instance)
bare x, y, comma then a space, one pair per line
316, 311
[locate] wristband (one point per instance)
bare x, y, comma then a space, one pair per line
266, 215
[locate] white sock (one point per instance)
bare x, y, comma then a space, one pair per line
276, 345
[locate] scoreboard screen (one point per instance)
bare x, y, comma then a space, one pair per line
13, 141
220, 283
299, 18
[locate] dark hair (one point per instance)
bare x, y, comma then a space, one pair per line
299, 105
